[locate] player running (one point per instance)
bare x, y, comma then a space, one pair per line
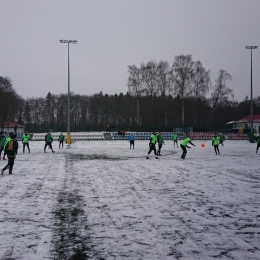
160, 143
8, 139
222, 139
11, 150
152, 146
215, 143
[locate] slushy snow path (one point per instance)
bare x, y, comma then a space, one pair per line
101, 200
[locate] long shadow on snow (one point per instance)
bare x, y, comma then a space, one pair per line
105, 157
83, 157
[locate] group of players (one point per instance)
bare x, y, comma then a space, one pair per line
9, 146
157, 138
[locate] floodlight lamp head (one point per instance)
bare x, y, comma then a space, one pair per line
68, 41
64, 41
251, 47
73, 41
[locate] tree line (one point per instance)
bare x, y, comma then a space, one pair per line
159, 97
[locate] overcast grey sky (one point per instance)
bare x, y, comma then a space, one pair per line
113, 34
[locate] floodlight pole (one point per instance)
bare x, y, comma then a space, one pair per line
251, 114
68, 127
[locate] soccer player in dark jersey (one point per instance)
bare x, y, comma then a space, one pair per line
61, 140
11, 150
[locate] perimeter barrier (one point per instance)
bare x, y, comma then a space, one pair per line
138, 135
209, 135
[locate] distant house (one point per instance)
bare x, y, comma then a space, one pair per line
10, 127
243, 125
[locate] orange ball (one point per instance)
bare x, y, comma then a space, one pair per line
203, 145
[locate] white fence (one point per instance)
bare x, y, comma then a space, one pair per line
209, 135
140, 135
74, 136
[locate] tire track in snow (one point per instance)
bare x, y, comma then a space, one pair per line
71, 237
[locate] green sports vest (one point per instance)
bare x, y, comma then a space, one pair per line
26, 138
185, 141
153, 139
215, 140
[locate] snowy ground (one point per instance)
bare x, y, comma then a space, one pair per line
101, 200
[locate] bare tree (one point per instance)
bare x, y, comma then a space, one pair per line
10, 100
149, 78
182, 77
200, 85
27, 112
220, 94
150, 83
134, 84
164, 82
221, 90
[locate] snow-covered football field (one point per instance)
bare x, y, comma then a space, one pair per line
101, 200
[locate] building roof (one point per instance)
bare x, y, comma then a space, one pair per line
11, 125
247, 119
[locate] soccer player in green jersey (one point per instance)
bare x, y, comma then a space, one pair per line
175, 139
215, 143
184, 144
222, 139
48, 142
152, 143
61, 140
25, 140
2, 143
160, 142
